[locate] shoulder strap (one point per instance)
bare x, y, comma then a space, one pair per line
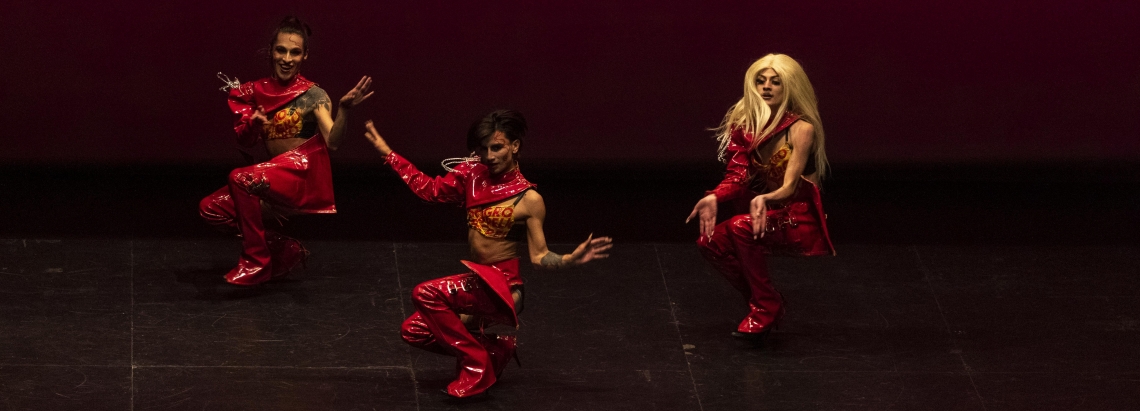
520, 196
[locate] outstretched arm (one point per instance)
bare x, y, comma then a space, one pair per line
333, 130
541, 256
445, 189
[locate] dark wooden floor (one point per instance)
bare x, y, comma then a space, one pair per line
951, 291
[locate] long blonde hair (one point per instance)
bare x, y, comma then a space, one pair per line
751, 112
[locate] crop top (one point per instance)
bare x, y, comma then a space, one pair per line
496, 221
298, 118
772, 171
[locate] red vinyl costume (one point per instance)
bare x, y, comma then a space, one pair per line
484, 291
296, 181
795, 226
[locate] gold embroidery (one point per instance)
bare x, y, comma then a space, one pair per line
492, 222
286, 123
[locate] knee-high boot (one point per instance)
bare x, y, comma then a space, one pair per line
416, 333
286, 252
218, 210
435, 301
720, 251
254, 264
501, 348
744, 262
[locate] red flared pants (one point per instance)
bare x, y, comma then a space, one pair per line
744, 263
436, 327
797, 227
298, 180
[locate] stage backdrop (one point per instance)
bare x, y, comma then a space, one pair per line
637, 81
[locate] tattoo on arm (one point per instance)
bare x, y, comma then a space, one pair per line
311, 99
552, 260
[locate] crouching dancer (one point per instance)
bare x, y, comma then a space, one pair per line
292, 118
503, 210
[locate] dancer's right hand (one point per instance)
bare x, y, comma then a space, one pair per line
374, 136
705, 211
258, 117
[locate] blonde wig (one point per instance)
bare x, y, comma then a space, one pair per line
753, 115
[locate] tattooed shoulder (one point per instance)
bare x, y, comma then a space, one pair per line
313, 98
319, 94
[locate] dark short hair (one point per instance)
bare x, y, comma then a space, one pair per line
291, 25
510, 122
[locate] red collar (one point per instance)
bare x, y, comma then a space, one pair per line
483, 188
785, 122
272, 95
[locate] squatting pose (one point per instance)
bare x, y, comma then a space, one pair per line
503, 210
772, 141
283, 112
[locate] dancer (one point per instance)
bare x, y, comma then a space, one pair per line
500, 204
772, 140
283, 112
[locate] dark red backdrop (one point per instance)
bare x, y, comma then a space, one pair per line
898, 81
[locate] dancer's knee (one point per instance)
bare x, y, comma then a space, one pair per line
248, 178
213, 209
720, 242
415, 332
427, 295
241, 175
206, 208
737, 226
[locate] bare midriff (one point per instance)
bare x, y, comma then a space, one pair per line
487, 250
280, 145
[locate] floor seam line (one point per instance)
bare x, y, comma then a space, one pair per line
930, 286
404, 314
277, 367
677, 326
970, 376
942, 313
132, 316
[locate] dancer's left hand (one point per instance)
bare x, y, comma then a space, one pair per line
591, 249
758, 209
357, 94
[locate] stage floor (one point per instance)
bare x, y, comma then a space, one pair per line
120, 324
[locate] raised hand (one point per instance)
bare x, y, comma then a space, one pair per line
591, 249
758, 209
705, 211
358, 94
374, 136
